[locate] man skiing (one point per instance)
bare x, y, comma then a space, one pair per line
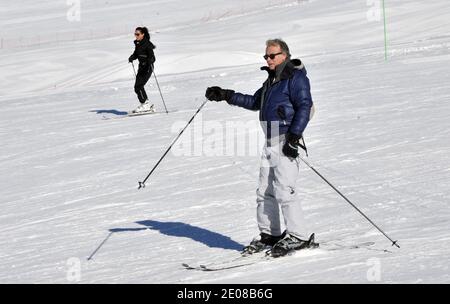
285, 101
144, 53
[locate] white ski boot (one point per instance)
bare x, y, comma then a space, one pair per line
144, 107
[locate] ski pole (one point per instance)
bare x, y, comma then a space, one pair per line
134, 70
394, 243
157, 83
142, 184
159, 88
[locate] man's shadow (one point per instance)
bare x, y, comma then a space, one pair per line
113, 111
207, 237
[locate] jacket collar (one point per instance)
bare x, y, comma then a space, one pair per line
285, 70
144, 43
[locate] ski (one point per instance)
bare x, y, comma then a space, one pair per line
336, 246
213, 268
131, 114
242, 261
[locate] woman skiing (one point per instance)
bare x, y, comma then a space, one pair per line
144, 53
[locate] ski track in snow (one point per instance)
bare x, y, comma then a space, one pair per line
380, 133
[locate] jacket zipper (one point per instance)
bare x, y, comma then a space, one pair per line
266, 97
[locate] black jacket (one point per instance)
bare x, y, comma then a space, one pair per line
144, 53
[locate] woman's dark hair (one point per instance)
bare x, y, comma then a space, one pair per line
144, 30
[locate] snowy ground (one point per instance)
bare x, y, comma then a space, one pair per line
69, 176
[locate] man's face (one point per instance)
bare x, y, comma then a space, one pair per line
278, 59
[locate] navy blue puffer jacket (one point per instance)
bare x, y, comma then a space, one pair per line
285, 99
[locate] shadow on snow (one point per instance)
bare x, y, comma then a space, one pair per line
113, 111
178, 229
201, 235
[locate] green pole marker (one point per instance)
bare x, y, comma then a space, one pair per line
385, 32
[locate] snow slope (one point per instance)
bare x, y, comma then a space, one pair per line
69, 174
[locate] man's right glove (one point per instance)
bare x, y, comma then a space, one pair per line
218, 94
290, 148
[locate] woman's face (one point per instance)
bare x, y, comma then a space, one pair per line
139, 36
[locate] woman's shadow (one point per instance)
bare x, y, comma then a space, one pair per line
113, 111
207, 237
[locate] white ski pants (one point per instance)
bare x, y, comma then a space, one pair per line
276, 188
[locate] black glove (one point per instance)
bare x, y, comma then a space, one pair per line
218, 94
130, 59
290, 148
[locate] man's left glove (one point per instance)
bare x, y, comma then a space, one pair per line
290, 148
218, 94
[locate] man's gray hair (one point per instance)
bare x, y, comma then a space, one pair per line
281, 43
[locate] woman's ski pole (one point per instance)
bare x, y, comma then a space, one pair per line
134, 70
159, 88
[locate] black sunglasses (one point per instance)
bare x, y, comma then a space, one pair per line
137, 34
272, 56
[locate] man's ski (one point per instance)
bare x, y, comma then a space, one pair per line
218, 267
336, 246
248, 260
241, 260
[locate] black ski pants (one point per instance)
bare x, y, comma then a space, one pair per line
142, 77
